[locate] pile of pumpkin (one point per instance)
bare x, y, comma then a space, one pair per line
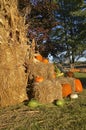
66, 88
74, 70
57, 73
66, 91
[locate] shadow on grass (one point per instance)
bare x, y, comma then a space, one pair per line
83, 81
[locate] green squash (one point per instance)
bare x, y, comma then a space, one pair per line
33, 103
60, 102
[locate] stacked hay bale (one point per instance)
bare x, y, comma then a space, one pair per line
50, 88
13, 51
41, 69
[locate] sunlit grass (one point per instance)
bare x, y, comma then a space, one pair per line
80, 75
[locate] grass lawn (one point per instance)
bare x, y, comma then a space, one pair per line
72, 116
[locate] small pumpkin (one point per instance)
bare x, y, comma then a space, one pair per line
70, 74
39, 57
66, 90
74, 70
54, 75
78, 85
74, 96
39, 79
45, 60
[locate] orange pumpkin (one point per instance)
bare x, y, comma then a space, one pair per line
66, 89
45, 60
39, 79
39, 57
78, 85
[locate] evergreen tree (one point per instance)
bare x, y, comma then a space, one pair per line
72, 21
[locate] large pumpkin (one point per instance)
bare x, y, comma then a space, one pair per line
78, 85
66, 90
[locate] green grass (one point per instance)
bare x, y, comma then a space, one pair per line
47, 117
80, 75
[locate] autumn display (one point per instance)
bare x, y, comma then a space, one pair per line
24, 72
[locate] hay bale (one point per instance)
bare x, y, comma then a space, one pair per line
12, 55
13, 79
47, 91
12, 86
41, 69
